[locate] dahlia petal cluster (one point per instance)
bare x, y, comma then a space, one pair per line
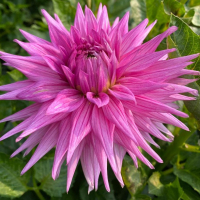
99, 92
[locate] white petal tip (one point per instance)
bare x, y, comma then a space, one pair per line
18, 139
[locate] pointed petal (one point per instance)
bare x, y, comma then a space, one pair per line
42, 91
41, 120
22, 126
54, 63
15, 86
122, 92
35, 49
87, 165
61, 146
33, 38
140, 86
48, 141
103, 130
32, 141
23, 114
131, 36
29, 67
71, 167
102, 160
101, 100
67, 100
69, 75
81, 126
114, 112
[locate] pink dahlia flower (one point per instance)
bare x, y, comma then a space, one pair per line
99, 92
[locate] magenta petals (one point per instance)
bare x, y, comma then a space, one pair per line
101, 100
67, 100
98, 92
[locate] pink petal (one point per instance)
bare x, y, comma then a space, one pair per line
15, 86
22, 126
71, 167
67, 100
69, 75
61, 146
30, 68
41, 120
39, 49
103, 130
41, 91
54, 63
79, 20
122, 92
33, 38
48, 141
102, 159
131, 36
140, 86
100, 100
114, 112
87, 165
32, 141
81, 126
23, 114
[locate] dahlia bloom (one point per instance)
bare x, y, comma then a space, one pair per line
98, 93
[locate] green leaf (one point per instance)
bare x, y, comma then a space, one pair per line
132, 176
11, 183
65, 11
155, 186
16, 75
194, 3
70, 196
100, 194
188, 16
117, 8
6, 109
43, 169
170, 45
175, 7
141, 197
194, 106
138, 12
196, 18
189, 176
155, 11
193, 195
186, 40
174, 191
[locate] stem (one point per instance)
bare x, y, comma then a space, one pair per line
190, 148
39, 194
169, 171
174, 148
37, 191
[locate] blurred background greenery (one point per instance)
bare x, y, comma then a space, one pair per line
177, 178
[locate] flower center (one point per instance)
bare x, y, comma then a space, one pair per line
87, 63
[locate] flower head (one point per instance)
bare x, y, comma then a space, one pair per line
99, 92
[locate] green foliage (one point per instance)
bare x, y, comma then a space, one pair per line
138, 12
43, 168
176, 179
132, 176
11, 183
192, 40
175, 7
100, 194
65, 10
